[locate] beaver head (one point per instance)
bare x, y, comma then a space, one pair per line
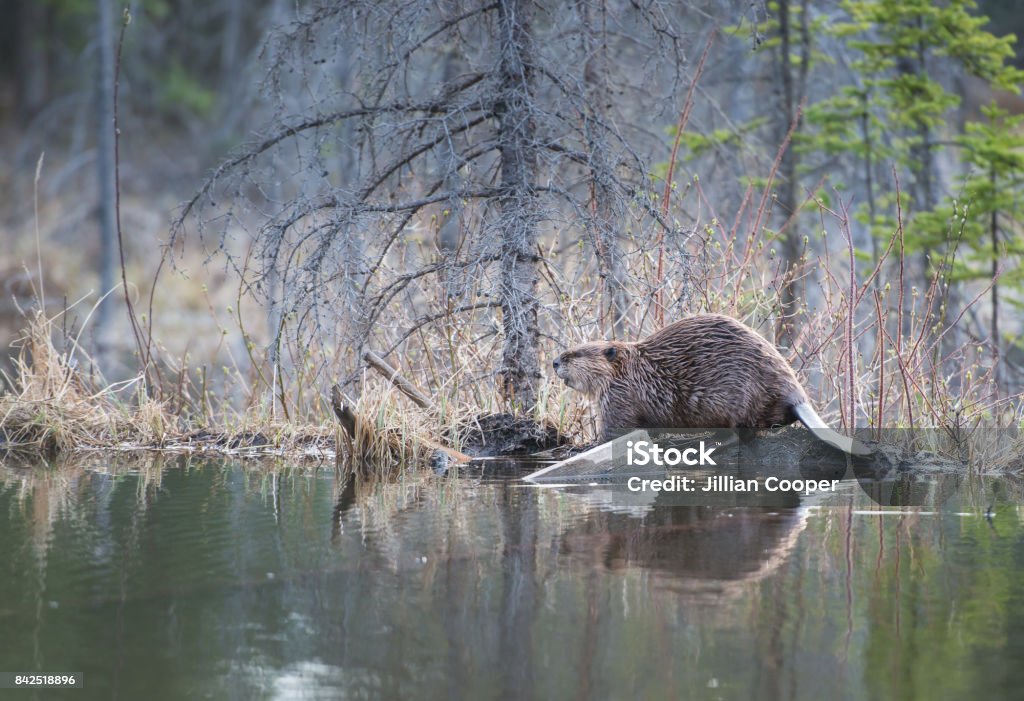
590, 368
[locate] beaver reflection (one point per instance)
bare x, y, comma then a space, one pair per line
696, 549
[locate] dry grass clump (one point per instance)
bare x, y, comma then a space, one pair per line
53, 408
387, 434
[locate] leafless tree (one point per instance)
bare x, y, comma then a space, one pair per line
471, 128
105, 176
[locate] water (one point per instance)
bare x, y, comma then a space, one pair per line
209, 580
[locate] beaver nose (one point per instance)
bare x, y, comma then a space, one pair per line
556, 362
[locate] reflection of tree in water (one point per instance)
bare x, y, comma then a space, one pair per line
531, 592
500, 573
435, 587
456, 549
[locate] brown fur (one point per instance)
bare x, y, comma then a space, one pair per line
707, 371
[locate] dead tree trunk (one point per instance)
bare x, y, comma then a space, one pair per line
105, 178
604, 222
33, 57
520, 370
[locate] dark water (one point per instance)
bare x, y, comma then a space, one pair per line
206, 580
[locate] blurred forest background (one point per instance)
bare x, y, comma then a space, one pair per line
467, 187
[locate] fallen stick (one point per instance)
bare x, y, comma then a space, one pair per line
353, 426
394, 377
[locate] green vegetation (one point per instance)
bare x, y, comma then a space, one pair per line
898, 113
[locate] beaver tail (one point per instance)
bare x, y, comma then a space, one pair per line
809, 418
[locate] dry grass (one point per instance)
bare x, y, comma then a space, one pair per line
389, 436
52, 408
871, 355
55, 408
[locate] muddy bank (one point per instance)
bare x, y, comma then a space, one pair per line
507, 434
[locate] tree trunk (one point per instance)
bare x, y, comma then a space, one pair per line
927, 185
449, 233
33, 78
994, 231
793, 87
230, 42
604, 224
519, 374
105, 179
869, 183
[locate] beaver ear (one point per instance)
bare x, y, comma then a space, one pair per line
610, 353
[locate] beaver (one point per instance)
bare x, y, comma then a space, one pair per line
705, 371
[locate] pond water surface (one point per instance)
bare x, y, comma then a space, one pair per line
192, 579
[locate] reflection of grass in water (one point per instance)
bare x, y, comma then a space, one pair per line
934, 587
63, 474
59, 490
421, 520
43, 494
377, 501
